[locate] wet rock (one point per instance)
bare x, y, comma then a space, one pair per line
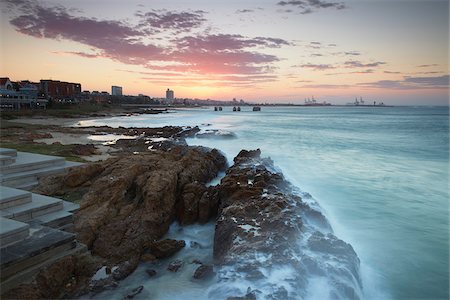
261, 221
189, 208
151, 272
125, 269
203, 272
175, 265
98, 286
134, 292
216, 134
147, 257
208, 205
130, 201
166, 248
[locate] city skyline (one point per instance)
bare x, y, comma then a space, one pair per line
395, 52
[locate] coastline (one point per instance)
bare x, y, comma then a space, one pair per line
161, 142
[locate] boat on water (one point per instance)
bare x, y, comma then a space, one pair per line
256, 108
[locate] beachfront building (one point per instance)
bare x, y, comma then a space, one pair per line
19, 95
116, 90
60, 90
5, 84
169, 95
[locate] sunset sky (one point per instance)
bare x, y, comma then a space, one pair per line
275, 51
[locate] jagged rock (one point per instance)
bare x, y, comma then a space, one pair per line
130, 201
208, 204
189, 208
151, 272
264, 224
203, 272
134, 292
165, 248
175, 265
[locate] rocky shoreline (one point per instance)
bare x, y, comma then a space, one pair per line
263, 225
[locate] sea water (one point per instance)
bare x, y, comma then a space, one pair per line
381, 174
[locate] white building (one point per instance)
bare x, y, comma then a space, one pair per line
169, 95
116, 90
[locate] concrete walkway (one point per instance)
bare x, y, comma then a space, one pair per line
22, 170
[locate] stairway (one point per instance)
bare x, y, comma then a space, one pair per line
22, 170
35, 230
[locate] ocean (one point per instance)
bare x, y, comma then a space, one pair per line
380, 174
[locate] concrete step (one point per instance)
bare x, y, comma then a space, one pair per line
8, 152
39, 205
6, 160
28, 274
30, 161
12, 197
61, 219
28, 179
41, 245
28, 186
12, 231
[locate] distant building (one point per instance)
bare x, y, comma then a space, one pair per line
169, 95
116, 90
59, 89
5, 84
17, 95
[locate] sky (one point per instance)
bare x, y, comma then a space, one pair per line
394, 51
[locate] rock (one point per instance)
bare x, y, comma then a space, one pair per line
216, 134
147, 257
208, 205
203, 272
262, 222
151, 272
248, 296
166, 248
84, 150
134, 292
68, 276
125, 269
130, 201
175, 265
98, 286
189, 208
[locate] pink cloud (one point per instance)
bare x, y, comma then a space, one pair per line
126, 43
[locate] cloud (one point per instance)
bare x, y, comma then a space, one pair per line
427, 66
191, 52
309, 6
367, 71
358, 64
219, 42
352, 53
184, 21
316, 67
82, 54
411, 83
327, 86
391, 72
243, 11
